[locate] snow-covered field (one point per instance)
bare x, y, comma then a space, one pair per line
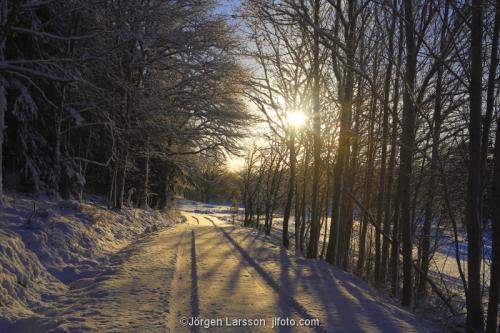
50, 249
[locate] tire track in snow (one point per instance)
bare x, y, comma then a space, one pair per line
177, 286
195, 309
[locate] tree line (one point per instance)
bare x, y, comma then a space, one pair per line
117, 97
399, 155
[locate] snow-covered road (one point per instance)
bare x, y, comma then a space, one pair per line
207, 273
130, 294
214, 283
228, 275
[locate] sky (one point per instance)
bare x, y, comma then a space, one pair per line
228, 6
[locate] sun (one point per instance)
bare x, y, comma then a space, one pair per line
296, 118
235, 164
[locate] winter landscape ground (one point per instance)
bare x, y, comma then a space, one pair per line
81, 268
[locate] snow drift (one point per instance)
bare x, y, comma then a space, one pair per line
46, 245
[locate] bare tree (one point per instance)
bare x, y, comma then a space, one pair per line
473, 218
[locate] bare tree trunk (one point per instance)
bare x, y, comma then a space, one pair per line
297, 220
343, 147
428, 210
112, 189
312, 248
392, 164
325, 206
494, 292
267, 222
301, 227
473, 213
367, 191
298, 203
247, 194
490, 97
145, 193
491, 323
165, 196
371, 159
436, 131
353, 168
407, 148
3, 109
3, 93
382, 190
303, 211
61, 174
396, 244
275, 186
394, 253
123, 178
325, 216
291, 187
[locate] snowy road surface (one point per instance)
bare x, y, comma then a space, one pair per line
228, 277
212, 274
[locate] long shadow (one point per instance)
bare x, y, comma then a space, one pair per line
209, 245
296, 280
195, 311
353, 307
374, 312
236, 274
285, 298
286, 285
347, 312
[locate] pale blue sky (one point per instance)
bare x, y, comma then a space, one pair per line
228, 6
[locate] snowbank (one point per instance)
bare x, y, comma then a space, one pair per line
46, 245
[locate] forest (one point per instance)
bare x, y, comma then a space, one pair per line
118, 98
366, 133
